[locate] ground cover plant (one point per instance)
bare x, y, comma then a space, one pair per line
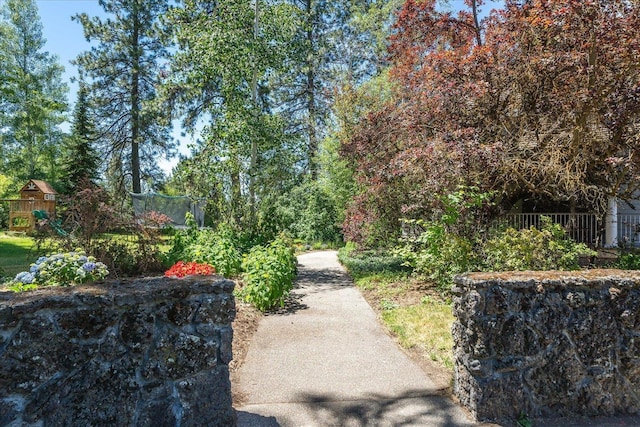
424, 327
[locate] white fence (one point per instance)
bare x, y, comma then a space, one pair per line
629, 229
581, 227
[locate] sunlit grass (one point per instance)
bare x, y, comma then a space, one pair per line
426, 326
386, 284
15, 253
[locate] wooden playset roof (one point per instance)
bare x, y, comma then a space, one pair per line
38, 185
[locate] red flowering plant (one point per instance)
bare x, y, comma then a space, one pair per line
181, 269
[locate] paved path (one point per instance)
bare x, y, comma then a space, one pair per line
327, 362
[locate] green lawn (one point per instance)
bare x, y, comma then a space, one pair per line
15, 253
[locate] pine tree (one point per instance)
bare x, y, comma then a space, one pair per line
81, 162
124, 67
32, 95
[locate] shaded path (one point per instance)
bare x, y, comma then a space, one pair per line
325, 361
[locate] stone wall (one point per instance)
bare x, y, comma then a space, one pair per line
547, 344
147, 352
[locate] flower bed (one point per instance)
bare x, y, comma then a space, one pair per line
62, 269
182, 269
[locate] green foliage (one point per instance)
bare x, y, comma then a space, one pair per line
8, 187
130, 255
444, 246
81, 161
629, 261
32, 95
437, 253
546, 248
220, 248
307, 212
217, 250
365, 263
4, 216
524, 420
221, 74
268, 276
63, 269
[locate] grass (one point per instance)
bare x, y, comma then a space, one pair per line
15, 253
426, 327
418, 315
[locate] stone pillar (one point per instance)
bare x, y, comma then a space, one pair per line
547, 344
143, 352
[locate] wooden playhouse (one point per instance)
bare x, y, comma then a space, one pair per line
35, 195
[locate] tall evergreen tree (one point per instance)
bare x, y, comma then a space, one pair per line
81, 162
124, 66
33, 96
220, 75
335, 41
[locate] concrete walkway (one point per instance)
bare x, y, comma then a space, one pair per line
326, 361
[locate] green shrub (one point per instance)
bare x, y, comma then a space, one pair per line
128, 255
443, 246
629, 261
437, 253
269, 272
546, 248
217, 251
4, 216
361, 263
217, 248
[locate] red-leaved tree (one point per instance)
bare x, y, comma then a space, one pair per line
538, 100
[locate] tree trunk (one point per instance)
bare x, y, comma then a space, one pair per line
312, 148
135, 104
254, 143
236, 193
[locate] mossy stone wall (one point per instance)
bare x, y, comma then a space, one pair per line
146, 352
547, 344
